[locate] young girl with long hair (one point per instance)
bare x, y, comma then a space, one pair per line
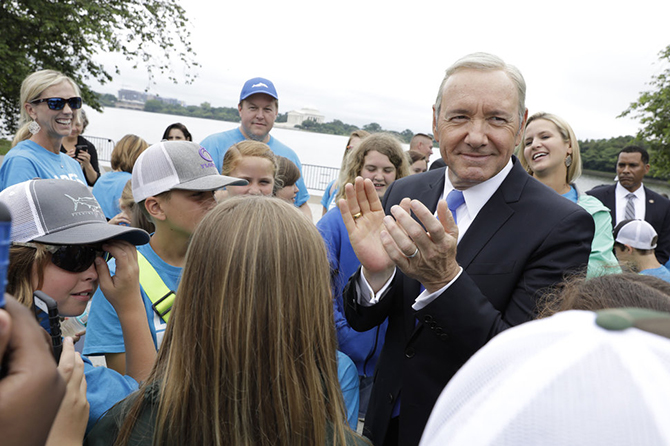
249, 355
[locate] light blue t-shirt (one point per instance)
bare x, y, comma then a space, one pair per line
108, 189
217, 145
661, 272
103, 332
348, 377
28, 160
328, 198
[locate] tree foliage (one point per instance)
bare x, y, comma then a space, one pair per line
68, 35
653, 110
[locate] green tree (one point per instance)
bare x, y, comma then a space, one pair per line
154, 105
68, 35
373, 127
653, 110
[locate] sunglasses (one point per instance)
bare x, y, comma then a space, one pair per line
59, 103
72, 258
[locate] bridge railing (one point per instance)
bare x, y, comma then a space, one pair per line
318, 177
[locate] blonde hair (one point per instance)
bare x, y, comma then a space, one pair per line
384, 143
23, 263
138, 219
247, 148
575, 170
126, 152
263, 370
31, 88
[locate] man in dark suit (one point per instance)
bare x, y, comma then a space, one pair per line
629, 199
459, 280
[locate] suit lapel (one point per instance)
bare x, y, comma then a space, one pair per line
649, 206
492, 216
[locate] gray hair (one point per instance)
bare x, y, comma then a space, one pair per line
485, 62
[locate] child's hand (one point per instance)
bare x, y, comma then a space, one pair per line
70, 423
123, 288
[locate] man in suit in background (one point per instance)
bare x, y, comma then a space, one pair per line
450, 284
629, 199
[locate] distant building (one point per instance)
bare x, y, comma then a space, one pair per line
304, 114
169, 101
136, 99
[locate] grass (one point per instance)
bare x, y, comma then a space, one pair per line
5, 145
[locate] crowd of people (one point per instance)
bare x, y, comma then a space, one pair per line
478, 302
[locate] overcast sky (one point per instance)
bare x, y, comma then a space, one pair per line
382, 61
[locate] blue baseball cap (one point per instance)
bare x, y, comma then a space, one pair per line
258, 85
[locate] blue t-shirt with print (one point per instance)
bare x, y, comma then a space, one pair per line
28, 160
217, 145
103, 332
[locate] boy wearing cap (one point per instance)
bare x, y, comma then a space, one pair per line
174, 184
634, 246
258, 108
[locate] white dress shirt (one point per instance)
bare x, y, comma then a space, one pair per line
620, 193
475, 199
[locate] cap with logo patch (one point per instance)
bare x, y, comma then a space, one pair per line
61, 212
172, 165
258, 85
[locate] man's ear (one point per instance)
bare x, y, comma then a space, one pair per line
153, 205
436, 135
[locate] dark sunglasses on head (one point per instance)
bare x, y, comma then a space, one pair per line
72, 258
59, 103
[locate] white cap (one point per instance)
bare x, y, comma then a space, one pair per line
637, 233
560, 381
172, 165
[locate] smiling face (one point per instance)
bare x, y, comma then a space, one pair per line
380, 170
257, 115
631, 170
259, 172
55, 124
71, 291
478, 126
545, 149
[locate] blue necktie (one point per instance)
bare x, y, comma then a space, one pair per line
454, 201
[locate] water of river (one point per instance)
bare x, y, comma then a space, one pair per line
312, 148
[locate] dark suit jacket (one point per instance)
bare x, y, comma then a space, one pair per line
524, 239
657, 213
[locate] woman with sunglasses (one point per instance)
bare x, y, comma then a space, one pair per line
59, 234
49, 100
